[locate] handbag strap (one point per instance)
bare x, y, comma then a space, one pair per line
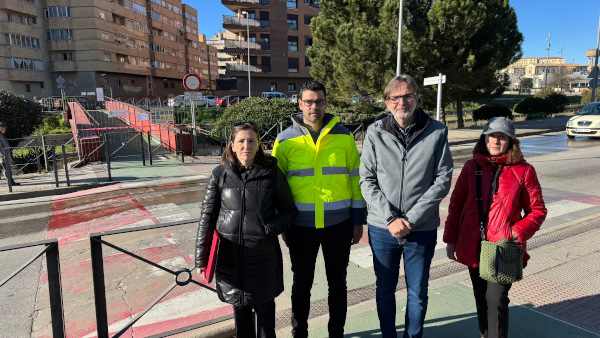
480, 212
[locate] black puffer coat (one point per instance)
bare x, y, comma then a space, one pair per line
248, 215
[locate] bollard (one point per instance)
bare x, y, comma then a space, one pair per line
66, 166
107, 151
142, 148
149, 147
181, 145
55, 165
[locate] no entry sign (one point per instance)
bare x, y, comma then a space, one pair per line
192, 82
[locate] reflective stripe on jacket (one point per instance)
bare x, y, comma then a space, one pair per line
323, 176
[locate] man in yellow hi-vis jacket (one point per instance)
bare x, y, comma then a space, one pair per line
320, 160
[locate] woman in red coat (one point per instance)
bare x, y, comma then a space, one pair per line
513, 203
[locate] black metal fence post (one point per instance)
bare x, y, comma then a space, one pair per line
37, 156
55, 165
55, 290
150, 147
66, 166
181, 146
7, 171
142, 148
99, 287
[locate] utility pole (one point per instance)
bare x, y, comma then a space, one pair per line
399, 56
547, 61
559, 68
596, 63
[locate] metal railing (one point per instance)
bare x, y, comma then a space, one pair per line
232, 20
241, 44
231, 67
54, 280
182, 277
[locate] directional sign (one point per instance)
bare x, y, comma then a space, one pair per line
142, 116
428, 81
593, 73
162, 115
192, 82
192, 96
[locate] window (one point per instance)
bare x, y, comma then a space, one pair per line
273, 86
172, 85
9, 17
292, 43
58, 12
139, 9
292, 22
67, 56
104, 36
118, 82
103, 15
42, 85
165, 85
21, 63
306, 62
291, 87
23, 41
307, 19
59, 34
292, 4
293, 65
107, 57
27, 88
308, 41
313, 3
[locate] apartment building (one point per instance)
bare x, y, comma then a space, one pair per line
130, 48
535, 68
269, 38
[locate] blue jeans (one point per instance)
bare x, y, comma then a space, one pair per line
418, 252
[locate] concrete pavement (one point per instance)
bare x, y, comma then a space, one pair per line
555, 299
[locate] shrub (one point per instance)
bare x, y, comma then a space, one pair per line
534, 107
363, 111
586, 96
557, 99
52, 124
22, 116
264, 112
486, 112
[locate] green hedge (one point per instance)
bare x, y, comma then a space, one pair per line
558, 100
534, 107
264, 112
486, 112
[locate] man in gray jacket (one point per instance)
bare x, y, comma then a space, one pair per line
405, 172
4, 145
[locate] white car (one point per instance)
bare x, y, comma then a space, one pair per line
586, 122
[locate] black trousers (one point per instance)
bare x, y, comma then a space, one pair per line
265, 319
304, 246
491, 300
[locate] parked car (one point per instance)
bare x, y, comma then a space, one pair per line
229, 100
274, 95
586, 122
209, 100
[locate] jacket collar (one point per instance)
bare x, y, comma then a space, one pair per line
329, 120
484, 159
421, 121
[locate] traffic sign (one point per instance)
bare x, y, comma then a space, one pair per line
192, 82
428, 81
142, 116
594, 83
593, 73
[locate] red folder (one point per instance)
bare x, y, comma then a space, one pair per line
212, 257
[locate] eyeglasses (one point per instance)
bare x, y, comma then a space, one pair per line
242, 123
405, 97
309, 103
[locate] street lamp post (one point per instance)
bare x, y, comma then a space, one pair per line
399, 56
248, 44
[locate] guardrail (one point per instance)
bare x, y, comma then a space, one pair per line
54, 280
182, 277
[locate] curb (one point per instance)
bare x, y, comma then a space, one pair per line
537, 132
52, 192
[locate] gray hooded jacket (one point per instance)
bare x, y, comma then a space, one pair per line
406, 178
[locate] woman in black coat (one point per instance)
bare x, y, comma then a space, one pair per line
249, 203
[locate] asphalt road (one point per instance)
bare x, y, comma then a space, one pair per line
565, 168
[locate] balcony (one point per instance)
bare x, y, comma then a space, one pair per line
238, 25
236, 5
235, 47
237, 68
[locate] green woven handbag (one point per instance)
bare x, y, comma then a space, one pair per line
501, 262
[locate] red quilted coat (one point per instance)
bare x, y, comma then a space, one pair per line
517, 190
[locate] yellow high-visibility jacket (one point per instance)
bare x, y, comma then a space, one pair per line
324, 176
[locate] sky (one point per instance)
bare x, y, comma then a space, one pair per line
573, 24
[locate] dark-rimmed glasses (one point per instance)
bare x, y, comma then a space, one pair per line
405, 97
309, 103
